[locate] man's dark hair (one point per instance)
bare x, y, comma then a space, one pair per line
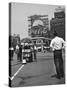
55, 34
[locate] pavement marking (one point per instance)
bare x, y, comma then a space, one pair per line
16, 72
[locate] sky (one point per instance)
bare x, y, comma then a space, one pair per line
20, 13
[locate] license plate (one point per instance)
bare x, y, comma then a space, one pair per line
26, 50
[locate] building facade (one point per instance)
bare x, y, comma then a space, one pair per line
38, 26
39, 30
58, 23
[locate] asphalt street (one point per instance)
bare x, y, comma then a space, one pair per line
36, 73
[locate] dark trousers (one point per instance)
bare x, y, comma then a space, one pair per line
58, 61
19, 57
35, 57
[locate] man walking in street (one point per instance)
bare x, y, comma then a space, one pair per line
20, 52
35, 53
17, 51
57, 44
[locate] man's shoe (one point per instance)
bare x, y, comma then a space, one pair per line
53, 75
58, 77
62, 76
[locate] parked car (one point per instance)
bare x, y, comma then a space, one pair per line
27, 53
39, 49
46, 48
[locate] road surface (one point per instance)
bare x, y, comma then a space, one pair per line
36, 73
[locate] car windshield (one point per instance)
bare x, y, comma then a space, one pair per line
26, 47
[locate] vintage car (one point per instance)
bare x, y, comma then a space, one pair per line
27, 53
39, 49
46, 48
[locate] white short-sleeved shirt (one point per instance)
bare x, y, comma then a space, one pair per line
17, 47
57, 43
35, 47
11, 48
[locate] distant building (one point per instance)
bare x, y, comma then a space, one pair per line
38, 26
58, 23
39, 30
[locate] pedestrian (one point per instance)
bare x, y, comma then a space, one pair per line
11, 52
17, 51
20, 53
57, 44
35, 53
31, 56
